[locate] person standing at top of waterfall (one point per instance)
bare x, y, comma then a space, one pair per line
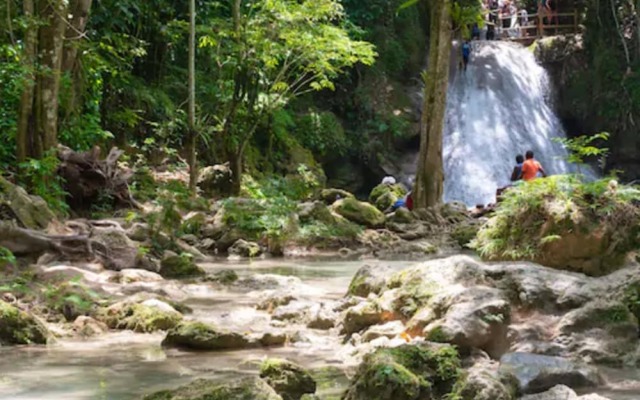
531, 168
466, 54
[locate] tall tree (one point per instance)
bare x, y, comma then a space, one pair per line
268, 53
430, 178
192, 145
43, 55
448, 18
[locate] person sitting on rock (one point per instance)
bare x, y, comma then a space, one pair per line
531, 168
516, 175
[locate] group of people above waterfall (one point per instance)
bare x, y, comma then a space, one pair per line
507, 18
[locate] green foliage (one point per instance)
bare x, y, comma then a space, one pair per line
514, 230
11, 75
582, 147
71, 298
42, 179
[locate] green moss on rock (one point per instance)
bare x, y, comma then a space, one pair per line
359, 212
202, 389
384, 196
196, 335
147, 317
175, 266
288, 379
406, 373
330, 196
18, 327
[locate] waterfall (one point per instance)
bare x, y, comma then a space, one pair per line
497, 109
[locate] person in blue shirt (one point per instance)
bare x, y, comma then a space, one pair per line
466, 54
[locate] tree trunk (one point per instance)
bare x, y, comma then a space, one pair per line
51, 38
192, 145
78, 18
429, 184
24, 136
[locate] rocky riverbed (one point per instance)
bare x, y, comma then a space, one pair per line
517, 327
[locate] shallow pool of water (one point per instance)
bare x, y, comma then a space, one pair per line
124, 365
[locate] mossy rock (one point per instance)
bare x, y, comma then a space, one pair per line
288, 379
407, 372
174, 266
225, 277
31, 211
202, 389
359, 212
330, 196
18, 327
369, 279
196, 335
384, 196
146, 317
465, 233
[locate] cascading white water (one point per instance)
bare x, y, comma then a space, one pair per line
497, 109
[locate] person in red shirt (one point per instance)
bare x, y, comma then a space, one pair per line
531, 168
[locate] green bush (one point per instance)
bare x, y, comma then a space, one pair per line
514, 232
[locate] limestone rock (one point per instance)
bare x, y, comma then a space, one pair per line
322, 318
149, 316
18, 327
199, 336
31, 211
87, 326
362, 316
388, 330
536, 373
359, 212
139, 232
225, 277
288, 379
120, 251
293, 312
611, 324
369, 279
405, 373
482, 381
245, 249
330, 196
562, 392
243, 389
137, 275
384, 196
174, 266
216, 180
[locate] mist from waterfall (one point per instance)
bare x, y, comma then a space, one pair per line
497, 109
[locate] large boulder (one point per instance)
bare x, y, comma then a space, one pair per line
242, 248
613, 326
482, 381
19, 327
330, 196
216, 180
552, 222
537, 373
469, 318
561, 392
317, 211
244, 389
148, 316
195, 335
288, 379
120, 252
359, 212
175, 266
405, 373
384, 195
32, 212
369, 279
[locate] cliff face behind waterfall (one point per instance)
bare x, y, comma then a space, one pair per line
497, 109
